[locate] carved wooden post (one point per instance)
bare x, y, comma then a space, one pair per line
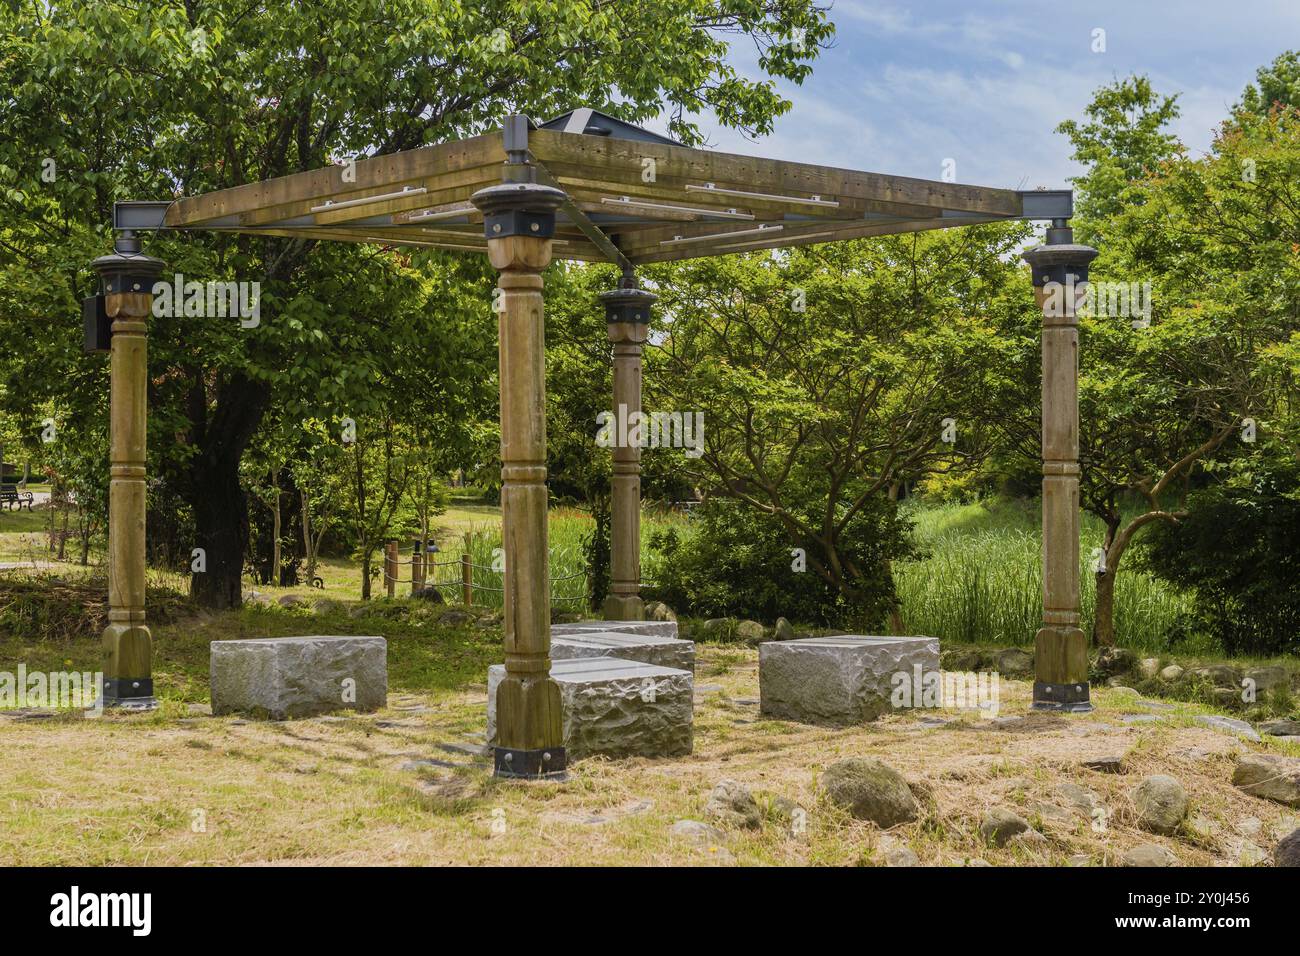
127, 278
627, 314
1060, 276
519, 221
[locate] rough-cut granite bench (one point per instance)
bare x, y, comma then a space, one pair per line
616, 707
649, 628
838, 680
625, 645
282, 677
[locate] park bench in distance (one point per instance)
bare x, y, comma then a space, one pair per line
11, 496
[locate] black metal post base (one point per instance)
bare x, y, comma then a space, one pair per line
128, 693
1064, 698
548, 764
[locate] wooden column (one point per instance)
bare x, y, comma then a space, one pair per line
1060, 276
519, 221
127, 278
627, 314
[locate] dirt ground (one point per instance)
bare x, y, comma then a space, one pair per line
412, 785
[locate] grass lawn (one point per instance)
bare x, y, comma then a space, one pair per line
408, 785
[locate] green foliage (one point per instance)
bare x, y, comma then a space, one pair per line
1238, 549
738, 562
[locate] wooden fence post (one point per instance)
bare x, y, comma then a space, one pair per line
467, 573
390, 567
417, 570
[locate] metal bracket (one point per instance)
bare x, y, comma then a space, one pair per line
546, 764
1072, 698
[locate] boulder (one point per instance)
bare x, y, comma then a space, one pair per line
841, 680
1287, 851
1270, 776
870, 790
1281, 728
751, 632
733, 804
1107, 763
1266, 678
615, 707
455, 617
719, 629
1000, 825
284, 677
783, 631
431, 594
1161, 804
1149, 667
1148, 854
293, 600
1014, 662
1171, 673
1111, 661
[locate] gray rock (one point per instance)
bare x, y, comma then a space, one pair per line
1015, 662
1148, 854
1001, 824
1080, 799
1115, 660
870, 790
615, 707
1270, 776
840, 680
896, 853
454, 617
696, 832
1123, 691
1229, 725
733, 804
293, 600
647, 648
1171, 673
431, 594
783, 631
648, 628
1149, 667
328, 606
719, 628
1220, 675
1266, 678
1281, 728
1161, 804
1287, 851
661, 612
283, 677
751, 632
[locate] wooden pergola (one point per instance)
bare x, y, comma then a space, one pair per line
586, 186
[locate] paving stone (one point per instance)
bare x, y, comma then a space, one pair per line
286, 677
647, 648
617, 708
1107, 763
1229, 725
839, 680
1280, 728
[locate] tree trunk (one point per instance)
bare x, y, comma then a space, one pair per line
275, 527
1103, 625
221, 523
365, 577
309, 550
63, 533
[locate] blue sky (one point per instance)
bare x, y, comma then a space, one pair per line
985, 83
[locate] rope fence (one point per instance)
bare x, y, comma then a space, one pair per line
423, 573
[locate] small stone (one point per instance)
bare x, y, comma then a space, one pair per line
1148, 854
732, 803
783, 631
1229, 725
1270, 776
1202, 826
1149, 667
696, 832
1249, 854
1171, 673
1082, 800
1161, 804
1123, 691
1015, 662
1287, 851
1108, 763
871, 790
1280, 728
896, 853
1225, 696
1029, 839
751, 632
1000, 825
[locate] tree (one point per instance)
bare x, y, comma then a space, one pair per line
378, 468
156, 99
826, 374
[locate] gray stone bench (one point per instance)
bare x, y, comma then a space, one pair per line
283, 677
647, 648
649, 628
838, 680
617, 708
